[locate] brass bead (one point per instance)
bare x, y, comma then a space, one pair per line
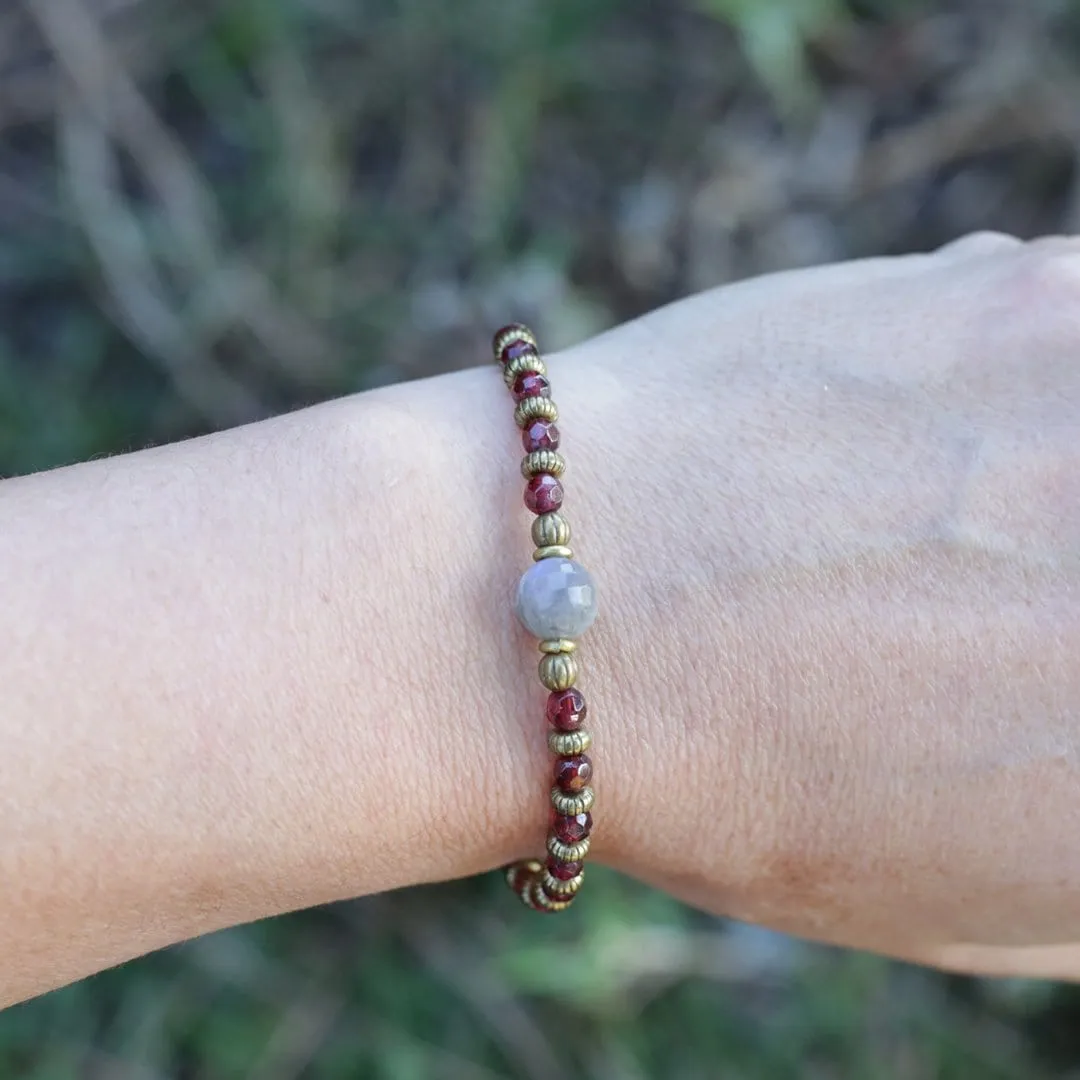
568, 852
550, 530
522, 876
553, 551
543, 461
532, 408
558, 645
518, 333
563, 888
520, 364
542, 900
558, 671
527, 868
569, 743
572, 805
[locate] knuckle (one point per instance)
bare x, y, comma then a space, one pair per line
1039, 295
984, 242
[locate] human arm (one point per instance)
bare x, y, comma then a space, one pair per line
834, 520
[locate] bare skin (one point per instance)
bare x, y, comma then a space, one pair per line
835, 515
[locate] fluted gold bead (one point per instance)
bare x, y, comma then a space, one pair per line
558, 671
568, 852
550, 530
521, 364
563, 888
542, 900
543, 461
558, 645
553, 551
516, 333
571, 805
569, 743
521, 876
531, 408
522, 872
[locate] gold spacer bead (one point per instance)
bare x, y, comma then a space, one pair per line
524, 872
568, 852
558, 645
543, 461
550, 530
553, 551
558, 671
520, 364
569, 743
572, 805
563, 888
542, 900
531, 408
517, 333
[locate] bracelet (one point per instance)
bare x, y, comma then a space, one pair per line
556, 602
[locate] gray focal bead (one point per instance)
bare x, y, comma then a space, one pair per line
556, 598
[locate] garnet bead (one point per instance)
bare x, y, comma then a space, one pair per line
566, 709
543, 493
570, 828
573, 773
540, 435
513, 349
530, 384
562, 871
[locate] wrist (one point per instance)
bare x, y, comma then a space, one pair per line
456, 681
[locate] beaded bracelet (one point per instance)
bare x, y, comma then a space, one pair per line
556, 602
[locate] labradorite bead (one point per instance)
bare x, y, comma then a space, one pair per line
556, 598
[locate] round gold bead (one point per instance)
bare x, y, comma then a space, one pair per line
515, 333
542, 900
568, 852
543, 461
550, 530
553, 551
569, 743
521, 364
563, 888
558, 671
532, 408
571, 805
524, 873
558, 645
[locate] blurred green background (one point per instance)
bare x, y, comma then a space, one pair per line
211, 211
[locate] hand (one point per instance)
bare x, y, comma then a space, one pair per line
836, 516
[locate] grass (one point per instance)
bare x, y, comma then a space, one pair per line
302, 198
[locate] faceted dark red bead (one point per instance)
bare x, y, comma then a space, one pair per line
530, 384
570, 828
563, 871
543, 493
540, 434
513, 349
573, 773
566, 709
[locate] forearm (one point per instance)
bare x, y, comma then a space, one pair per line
259, 671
